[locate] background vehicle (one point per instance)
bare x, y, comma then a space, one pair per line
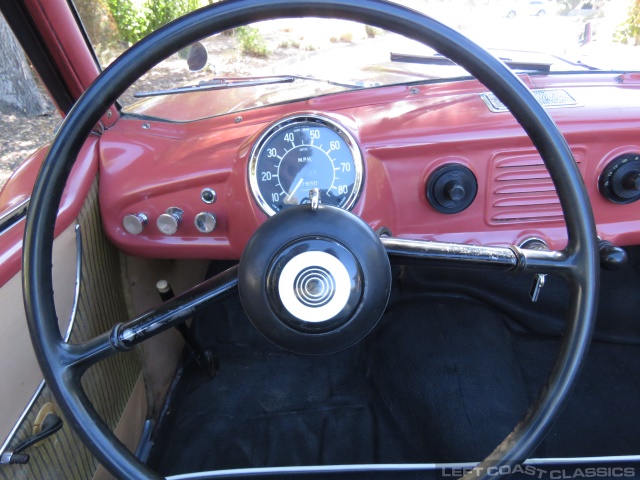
330, 355
536, 8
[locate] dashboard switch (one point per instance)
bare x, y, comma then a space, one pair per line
205, 222
208, 195
169, 222
135, 223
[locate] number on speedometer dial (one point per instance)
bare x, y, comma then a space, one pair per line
302, 153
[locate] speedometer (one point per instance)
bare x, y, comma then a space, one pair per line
298, 154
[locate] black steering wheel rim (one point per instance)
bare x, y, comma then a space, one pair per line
581, 253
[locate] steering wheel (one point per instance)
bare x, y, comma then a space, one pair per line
63, 364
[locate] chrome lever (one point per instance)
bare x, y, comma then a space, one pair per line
540, 278
50, 425
538, 283
314, 197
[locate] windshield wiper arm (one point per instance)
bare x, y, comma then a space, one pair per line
438, 59
217, 84
222, 83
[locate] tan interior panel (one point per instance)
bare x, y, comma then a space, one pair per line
18, 385
130, 425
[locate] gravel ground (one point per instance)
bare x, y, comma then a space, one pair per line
20, 136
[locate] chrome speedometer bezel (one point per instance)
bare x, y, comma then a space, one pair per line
306, 118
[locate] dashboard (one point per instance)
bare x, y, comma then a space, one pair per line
435, 161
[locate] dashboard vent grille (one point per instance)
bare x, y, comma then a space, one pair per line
521, 190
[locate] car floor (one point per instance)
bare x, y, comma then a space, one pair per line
444, 377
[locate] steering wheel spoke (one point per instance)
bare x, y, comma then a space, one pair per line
79, 357
546, 261
124, 336
176, 310
460, 255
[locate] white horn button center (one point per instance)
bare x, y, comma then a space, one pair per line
314, 286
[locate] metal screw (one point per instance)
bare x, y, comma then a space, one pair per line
146, 126
238, 119
109, 113
618, 78
414, 91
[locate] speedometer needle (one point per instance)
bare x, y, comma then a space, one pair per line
295, 189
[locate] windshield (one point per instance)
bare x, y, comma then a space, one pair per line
285, 60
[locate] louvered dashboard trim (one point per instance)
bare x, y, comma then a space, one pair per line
520, 189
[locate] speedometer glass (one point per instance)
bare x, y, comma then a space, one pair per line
298, 154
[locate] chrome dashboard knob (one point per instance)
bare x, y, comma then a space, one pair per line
205, 222
135, 223
169, 222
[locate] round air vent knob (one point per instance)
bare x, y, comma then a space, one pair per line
620, 180
169, 222
451, 188
455, 190
135, 223
205, 222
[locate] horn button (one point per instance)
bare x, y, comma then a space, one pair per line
314, 281
314, 284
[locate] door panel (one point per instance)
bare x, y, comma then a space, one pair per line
20, 382
109, 384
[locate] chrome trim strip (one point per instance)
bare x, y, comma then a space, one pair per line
222, 85
309, 469
14, 215
76, 294
393, 467
9, 438
144, 445
573, 460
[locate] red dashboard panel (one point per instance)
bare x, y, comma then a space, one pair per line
404, 134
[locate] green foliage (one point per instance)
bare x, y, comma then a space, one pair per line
252, 43
160, 12
98, 22
136, 19
129, 20
629, 31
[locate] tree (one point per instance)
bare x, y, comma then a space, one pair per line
18, 90
629, 32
